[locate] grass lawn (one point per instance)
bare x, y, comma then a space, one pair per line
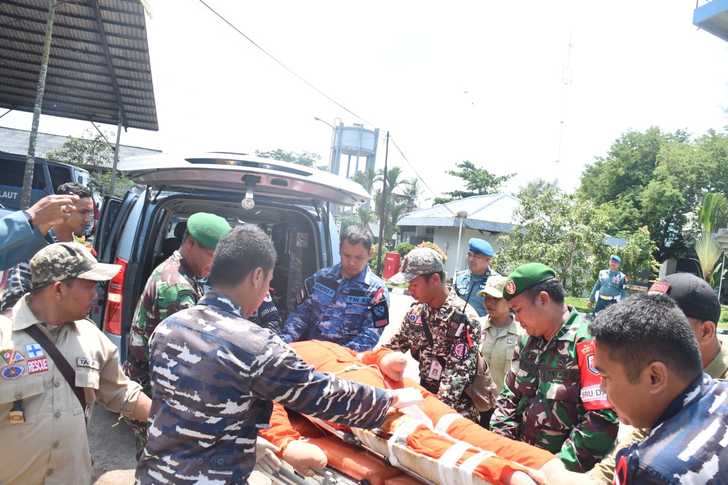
581, 305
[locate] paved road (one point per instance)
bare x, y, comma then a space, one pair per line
112, 443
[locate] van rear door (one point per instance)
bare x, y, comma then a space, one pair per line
245, 175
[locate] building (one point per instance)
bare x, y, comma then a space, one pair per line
485, 216
15, 141
712, 16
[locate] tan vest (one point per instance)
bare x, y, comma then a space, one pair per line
497, 347
51, 446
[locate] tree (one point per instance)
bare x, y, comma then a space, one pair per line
657, 179
411, 194
307, 159
96, 155
566, 233
395, 205
713, 213
366, 179
478, 181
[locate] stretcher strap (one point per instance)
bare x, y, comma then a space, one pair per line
467, 468
447, 463
445, 421
399, 436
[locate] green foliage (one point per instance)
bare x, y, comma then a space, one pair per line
712, 214
657, 179
478, 181
301, 158
404, 248
567, 233
95, 155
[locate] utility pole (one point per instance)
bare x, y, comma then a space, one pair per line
40, 90
383, 215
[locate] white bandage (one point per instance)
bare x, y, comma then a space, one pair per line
447, 463
444, 422
399, 436
467, 468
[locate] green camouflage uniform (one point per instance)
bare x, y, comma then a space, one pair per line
541, 401
170, 288
448, 357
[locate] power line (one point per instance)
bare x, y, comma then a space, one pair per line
284, 66
417, 174
315, 88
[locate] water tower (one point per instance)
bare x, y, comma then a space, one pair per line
354, 143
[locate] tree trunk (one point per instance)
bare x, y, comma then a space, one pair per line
25, 196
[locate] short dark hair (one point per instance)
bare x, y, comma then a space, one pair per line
647, 328
553, 287
240, 252
355, 235
72, 188
429, 276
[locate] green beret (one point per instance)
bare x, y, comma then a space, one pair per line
526, 276
207, 229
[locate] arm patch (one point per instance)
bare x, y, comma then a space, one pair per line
592, 396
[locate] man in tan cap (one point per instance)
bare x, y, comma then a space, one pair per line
440, 331
55, 365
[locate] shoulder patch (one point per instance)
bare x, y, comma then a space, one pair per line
592, 396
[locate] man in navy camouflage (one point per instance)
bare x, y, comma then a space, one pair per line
609, 288
347, 303
440, 331
215, 374
469, 283
652, 372
551, 397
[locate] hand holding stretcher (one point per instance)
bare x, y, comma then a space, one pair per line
444, 448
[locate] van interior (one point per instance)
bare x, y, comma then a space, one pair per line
291, 229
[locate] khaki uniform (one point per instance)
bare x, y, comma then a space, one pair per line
51, 446
603, 472
497, 347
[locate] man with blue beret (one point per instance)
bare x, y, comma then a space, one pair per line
609, 288
469, 283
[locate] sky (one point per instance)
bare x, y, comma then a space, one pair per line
539, 89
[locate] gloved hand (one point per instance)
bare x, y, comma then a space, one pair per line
304, 457
392, 365
265, 456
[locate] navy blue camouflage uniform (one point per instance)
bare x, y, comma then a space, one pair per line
214, 376
687, 444
350, 312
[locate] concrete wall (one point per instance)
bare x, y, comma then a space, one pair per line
447, 239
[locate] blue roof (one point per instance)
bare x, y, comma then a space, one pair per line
492, 213
713, 17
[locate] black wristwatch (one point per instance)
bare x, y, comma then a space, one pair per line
30, 219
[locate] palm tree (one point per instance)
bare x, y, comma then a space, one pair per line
713, 214
366, 179
412, 193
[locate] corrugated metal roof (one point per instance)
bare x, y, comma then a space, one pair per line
99, 61
15, 141
492, 212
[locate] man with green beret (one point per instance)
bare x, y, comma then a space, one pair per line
172, 286
552, 396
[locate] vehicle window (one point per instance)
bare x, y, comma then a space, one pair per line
12, 174
59, 175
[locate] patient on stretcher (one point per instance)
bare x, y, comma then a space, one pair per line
434, 443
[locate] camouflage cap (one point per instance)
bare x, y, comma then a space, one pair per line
207, 229
420, 261
67, 260
526, 276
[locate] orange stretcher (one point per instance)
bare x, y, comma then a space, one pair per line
452, 450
